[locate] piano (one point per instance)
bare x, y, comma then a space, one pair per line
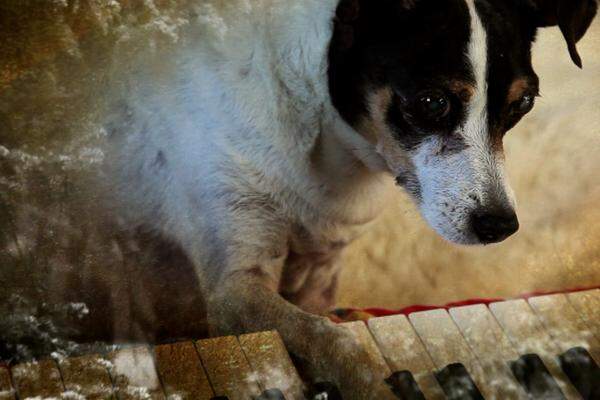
544, 347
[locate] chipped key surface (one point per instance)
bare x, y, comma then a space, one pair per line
37, 379
268, 356
227, 368
87, 376
378, 365
483, 334
587, 305
360, 330
6, 390
564, 324
528, 336
447, 347
491, 346
404, 351
181, 371
522, 327
442, 339
134, 374
400, 344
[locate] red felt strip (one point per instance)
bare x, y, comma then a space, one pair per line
382, 312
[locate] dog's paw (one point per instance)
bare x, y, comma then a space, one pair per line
338, 359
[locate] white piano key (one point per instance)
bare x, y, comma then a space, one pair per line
37, 379
492, 348
269, 358
134, 374
181, 371
227, 368
404, 351
564, 324
446, 345
528, 336
6, 390
587, 305
380, 369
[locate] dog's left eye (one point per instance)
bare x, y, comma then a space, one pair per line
524, 105
434, 106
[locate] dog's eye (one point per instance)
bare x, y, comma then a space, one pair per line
434, 106
524, 105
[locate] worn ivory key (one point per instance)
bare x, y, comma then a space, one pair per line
6, 389
181, 371
87, 376
404, 351
270, 360
37, 379
134, 374
227, 368
538, 366
492, 348
458, 369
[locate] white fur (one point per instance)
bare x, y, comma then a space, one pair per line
239, 157
241, 145
250, 141
454, 186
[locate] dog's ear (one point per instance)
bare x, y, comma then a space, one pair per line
574, 17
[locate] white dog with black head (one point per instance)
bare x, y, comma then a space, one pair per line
289, 124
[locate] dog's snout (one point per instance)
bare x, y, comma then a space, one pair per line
494, 226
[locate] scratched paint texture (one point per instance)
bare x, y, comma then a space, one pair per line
57, 269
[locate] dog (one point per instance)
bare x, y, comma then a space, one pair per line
288, 125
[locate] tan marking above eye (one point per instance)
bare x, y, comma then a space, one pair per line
377, 131
517, 90
378, 104
464, 90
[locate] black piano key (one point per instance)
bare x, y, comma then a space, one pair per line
325, 391
583, 372
404, 386
535, 378
457, 383
271, 394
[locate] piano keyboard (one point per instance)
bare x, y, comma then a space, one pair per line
547, 347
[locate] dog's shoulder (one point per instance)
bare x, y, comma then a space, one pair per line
245, 113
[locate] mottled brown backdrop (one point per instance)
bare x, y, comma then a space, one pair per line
59, 61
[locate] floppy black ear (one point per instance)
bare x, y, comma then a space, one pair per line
574, 17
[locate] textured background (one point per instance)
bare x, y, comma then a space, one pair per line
56, 61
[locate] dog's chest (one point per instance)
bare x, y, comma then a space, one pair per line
315, 248
322, 241
309, 276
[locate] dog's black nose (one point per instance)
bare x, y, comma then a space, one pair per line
494, 227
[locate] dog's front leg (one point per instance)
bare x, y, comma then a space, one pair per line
247, 301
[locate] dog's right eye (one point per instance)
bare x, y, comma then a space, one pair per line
434, 106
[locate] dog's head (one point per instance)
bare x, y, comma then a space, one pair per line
435, 85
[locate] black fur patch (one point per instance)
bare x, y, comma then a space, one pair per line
574, 18
419, 45
410, 47
510, 31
